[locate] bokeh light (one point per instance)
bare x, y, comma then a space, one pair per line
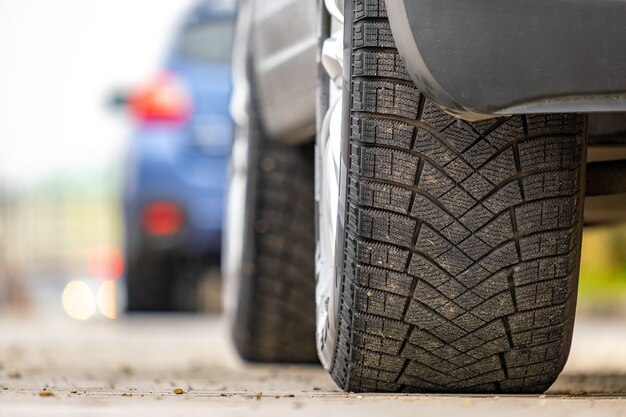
106, 298
78, 300
105, 262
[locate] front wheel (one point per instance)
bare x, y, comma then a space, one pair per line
448, 251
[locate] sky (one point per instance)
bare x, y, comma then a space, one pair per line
59, 62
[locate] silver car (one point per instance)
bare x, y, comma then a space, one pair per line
441, 150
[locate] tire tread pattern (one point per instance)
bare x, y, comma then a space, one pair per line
462, 238
275, 315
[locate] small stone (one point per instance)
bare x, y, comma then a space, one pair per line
178, 391
46, 394
126, 370
14, 373
127, 394
258, 395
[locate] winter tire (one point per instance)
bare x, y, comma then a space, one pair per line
448, 251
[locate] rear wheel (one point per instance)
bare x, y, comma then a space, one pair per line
269, 248
448, 250
146, 284
165, 281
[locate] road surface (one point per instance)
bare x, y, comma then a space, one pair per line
132, 366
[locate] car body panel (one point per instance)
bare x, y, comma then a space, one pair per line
475, 58
283, 50
479, 57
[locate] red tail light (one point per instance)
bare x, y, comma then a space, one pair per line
161, 100
162, 219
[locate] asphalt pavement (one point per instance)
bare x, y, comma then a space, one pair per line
184, 366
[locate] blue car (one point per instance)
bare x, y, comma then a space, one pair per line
175, 174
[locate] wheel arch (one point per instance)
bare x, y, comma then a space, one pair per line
479, 58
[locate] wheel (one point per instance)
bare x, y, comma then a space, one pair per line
187, 274
448, 250
162, 282
147, 284
269, 249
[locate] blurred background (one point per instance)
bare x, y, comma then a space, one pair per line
90, 93
114, 139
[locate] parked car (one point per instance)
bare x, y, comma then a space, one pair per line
450, 146
175, 175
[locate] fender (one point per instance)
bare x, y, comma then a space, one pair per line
483, 58
283, 48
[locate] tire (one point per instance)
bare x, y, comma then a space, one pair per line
147, 284
458, 245
162, 282
273, 317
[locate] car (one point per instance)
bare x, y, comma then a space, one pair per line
175, 171
450, 150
